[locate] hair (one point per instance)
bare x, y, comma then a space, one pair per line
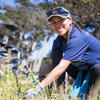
74, 24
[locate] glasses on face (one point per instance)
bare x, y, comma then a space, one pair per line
56, 11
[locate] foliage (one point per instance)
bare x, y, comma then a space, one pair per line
45, 60
86, 1
31, 18
11, 88
2, 17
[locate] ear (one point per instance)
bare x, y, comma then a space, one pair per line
70, 19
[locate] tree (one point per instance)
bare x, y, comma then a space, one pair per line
31, 19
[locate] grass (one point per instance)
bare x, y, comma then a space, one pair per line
11, 88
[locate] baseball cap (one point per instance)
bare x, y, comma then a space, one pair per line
58, 11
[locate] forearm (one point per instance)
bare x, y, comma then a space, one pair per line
54, 74
46, 69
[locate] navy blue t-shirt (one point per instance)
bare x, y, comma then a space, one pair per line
82, 49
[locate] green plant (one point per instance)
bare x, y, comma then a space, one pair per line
11, 88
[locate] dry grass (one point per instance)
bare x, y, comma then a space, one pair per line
12, 89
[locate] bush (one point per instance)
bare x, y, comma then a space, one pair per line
11, 88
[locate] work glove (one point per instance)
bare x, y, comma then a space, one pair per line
33, 78
33, 92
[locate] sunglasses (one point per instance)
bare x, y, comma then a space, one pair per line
56, 11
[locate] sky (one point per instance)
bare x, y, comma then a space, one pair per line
46, 46
13, 4
37, 1
7, 2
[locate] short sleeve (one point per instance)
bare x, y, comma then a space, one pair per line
75, 49
57, 47
56, 53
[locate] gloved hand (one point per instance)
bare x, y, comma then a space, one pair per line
33, 92
31, 79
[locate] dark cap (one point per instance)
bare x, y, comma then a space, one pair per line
58, 11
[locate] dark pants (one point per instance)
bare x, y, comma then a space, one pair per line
94, 81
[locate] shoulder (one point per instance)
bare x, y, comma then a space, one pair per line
58, 40
78, 38
76, 33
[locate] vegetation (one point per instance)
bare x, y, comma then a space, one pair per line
29, 18
11, 88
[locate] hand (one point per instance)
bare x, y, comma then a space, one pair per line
25, 82
33, 92
31, 79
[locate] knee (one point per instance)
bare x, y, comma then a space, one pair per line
95, 72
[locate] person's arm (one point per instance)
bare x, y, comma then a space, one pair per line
46, 69
55, 73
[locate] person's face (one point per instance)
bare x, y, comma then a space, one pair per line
60, 25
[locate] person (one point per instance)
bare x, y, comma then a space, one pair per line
73, 50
